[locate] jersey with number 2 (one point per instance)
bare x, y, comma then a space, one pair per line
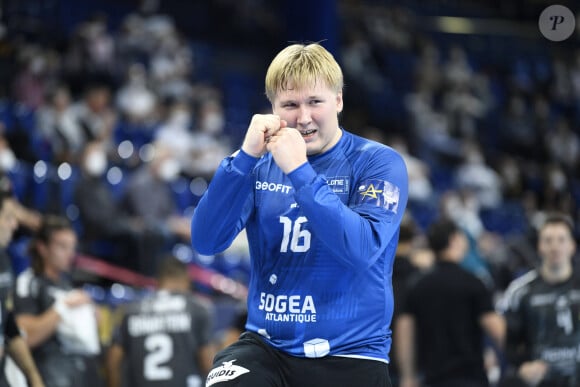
160, 336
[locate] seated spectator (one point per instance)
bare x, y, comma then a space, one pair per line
95, 114
135, 99
59, 126
102, 217
475, 175
197, 150
148, 198
420, 187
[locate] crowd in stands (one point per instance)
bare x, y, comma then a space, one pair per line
120, 130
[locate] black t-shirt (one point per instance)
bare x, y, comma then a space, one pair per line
544, 323
403, 272
34, 295
447, 303
161, 336
6, 275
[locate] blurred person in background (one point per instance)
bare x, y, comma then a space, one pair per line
59, 126
13, 344
195, 136
175, 132
404, 270
148, 198
475, 175
420, 187
95, 113
165, 338
135, 99
33, 76
542, 309
103, 217
444, 318
463, 208
58, 321
27, 220
210, 143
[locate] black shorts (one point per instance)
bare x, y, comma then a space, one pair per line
250, 362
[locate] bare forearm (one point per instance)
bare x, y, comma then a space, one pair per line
495, 327
206, 355
19, 352
405, 345
113, 366
38, 328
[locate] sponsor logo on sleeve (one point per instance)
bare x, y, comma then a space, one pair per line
339, 184
380, 193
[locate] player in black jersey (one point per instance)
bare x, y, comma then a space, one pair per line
165, 338
543, 313
60, 322
13, 343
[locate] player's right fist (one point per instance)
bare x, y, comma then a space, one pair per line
261, 128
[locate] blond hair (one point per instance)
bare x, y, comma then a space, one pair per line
299, 65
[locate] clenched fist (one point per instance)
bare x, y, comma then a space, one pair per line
261, 129
288, 149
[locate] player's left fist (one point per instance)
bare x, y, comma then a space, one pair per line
288, 149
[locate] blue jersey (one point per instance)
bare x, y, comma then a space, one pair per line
322, 243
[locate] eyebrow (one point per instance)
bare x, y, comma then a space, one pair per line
296, 99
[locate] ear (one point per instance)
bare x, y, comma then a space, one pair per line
339, 102
41, 248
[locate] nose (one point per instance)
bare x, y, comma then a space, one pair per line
304, 117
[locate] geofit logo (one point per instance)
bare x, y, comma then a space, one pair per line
557, 23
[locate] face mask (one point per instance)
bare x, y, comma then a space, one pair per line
169, 170
7, 160
213, 123
557, 180
96, 163
474, 158
181, 119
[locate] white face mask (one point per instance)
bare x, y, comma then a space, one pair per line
169, 170
557, 180
213, 123
181, 119
96, 163
7, 160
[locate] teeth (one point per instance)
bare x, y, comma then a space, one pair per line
307, 132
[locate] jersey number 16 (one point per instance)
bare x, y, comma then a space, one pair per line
295, 237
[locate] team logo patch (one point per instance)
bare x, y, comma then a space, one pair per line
339, 184
227, 371
380, 193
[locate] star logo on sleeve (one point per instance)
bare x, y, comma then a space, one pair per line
380, 193
370, 191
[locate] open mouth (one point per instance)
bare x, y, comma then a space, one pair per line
306, 134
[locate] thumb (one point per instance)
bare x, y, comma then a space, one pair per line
283, 124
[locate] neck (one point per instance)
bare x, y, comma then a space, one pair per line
52, 273
553, 274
